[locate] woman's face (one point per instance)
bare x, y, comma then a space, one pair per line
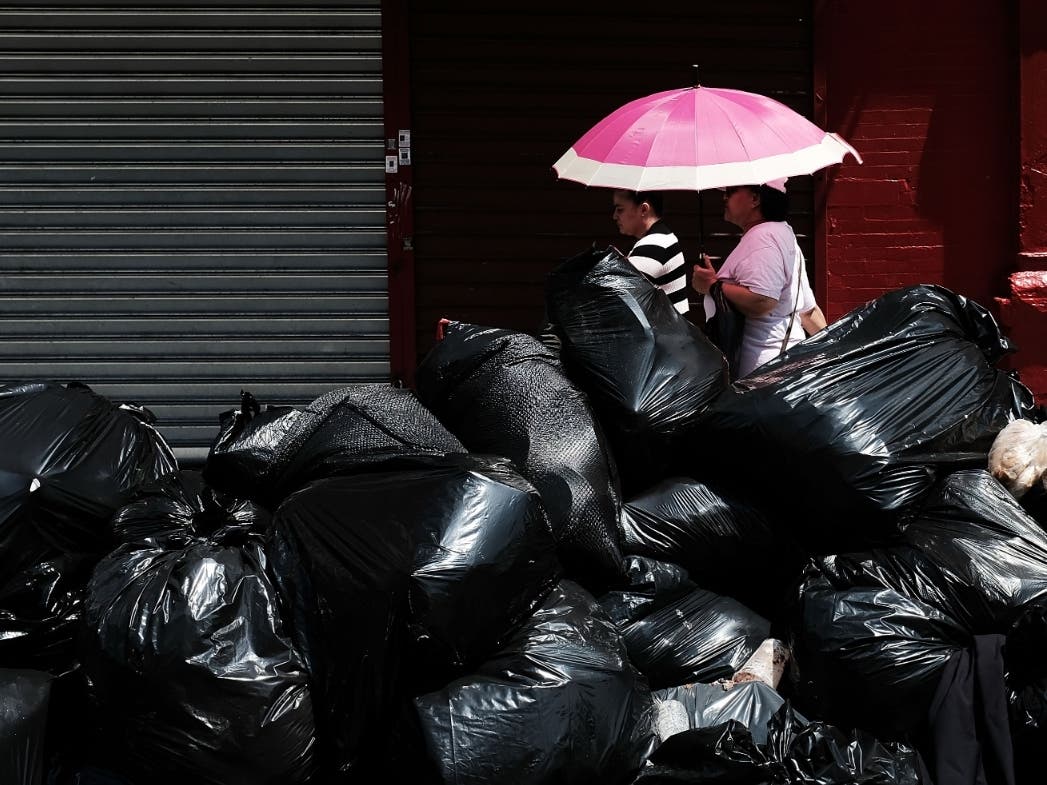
740, 205
627, 215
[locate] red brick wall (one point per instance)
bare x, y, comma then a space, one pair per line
928, 94
1023, 312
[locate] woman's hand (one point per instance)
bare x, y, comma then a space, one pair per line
703, 276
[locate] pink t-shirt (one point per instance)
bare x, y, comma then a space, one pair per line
767, 261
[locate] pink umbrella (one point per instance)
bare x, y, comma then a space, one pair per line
700, 137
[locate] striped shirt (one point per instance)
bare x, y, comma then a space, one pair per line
658, 256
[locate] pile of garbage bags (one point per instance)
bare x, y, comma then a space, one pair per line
587, 560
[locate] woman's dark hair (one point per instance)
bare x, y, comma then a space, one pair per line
653, 198
774, 204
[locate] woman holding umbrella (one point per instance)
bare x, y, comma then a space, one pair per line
764, 277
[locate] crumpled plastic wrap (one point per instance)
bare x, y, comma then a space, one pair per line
647, 369
559, 704
504, 393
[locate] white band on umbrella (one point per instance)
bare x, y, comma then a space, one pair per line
831, 150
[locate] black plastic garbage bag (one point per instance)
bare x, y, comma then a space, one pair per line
969, 550
41, 608
870, 657
68, 459
268, 453
504, 393
183, 507
726, 544
652, 585
648, 370
559, 704
796, 752
866, 415
24, 698
192, 674
685, 635
400, 581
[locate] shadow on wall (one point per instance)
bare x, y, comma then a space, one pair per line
928, 93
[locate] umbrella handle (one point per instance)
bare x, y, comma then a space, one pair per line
701, 225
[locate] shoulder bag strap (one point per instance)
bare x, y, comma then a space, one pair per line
796, 304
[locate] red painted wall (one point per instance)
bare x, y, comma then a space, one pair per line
928, 93
1023, 313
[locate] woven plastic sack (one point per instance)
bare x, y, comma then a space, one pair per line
267, 453
505, 393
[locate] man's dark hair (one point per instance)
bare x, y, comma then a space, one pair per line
774, 204
653, 198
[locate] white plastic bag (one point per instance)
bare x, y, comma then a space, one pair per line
1018, 457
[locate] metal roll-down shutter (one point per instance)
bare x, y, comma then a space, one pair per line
192, 202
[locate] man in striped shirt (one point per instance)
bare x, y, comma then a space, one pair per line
657, 252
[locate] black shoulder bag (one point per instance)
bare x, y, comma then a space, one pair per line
725, 327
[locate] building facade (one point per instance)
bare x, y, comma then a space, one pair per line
285, 197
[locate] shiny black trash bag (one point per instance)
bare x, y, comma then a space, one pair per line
69, 458
267, 453
701, 636
399, 581
24, 699
866, 415
652, 585
560, 703
725, 543
969, 550
193, 676
870, 657
676, 633
787, 749
647, 369
505, 393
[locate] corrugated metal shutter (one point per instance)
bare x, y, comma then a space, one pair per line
192, 201
501, 90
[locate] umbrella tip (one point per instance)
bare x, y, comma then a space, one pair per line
697, 82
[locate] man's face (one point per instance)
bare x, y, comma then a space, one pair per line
739, 205
627, 216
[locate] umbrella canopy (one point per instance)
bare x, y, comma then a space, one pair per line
700, 137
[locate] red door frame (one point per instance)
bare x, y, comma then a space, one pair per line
399, 191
